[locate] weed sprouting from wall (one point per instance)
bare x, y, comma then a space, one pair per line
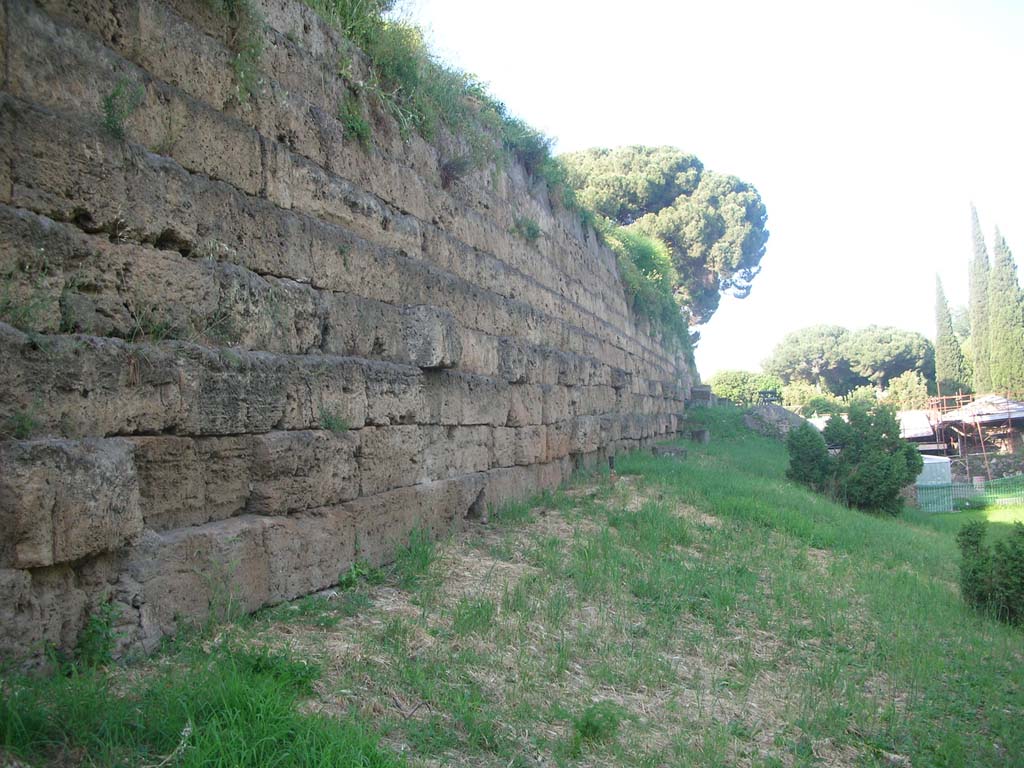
333, 421
246, 42
119, 104
527, 228
354, 123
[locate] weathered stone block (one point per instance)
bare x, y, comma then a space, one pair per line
294, 471
322, 389
185, 481
559, 439
531, 445
511, 360
39, 607
221, 568
394, 395
384, 522
306, 552
465, 399
391, 457
479, 353
431, 337
454, 451
586, 434
61, 500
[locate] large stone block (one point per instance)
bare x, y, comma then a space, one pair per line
294, 471
384, 522
391, 457
323, 389
394, 395
454, 451
62, 500
41, 607
185, 481
306, 552
220, 569
531, 445
526, 405
454, 398
431, 337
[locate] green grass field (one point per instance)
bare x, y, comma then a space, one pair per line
696, 613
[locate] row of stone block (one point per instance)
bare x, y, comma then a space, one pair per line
62, 500
160, 580
69, 281
79, 386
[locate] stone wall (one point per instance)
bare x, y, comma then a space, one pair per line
242, 351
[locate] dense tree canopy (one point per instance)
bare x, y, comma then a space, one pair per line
836, 360
744, 387
713, 224
950, 366
908, 391
978, 308
815, 355
881, 353
1006, 321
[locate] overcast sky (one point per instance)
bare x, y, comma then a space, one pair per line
869, 128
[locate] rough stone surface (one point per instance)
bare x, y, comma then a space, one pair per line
241, 351
772, 420
61, 500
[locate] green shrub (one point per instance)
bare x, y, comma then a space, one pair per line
332, 421
422, 94
744, 387
992, 576
873, 464
650, 277
809, 462
597, 723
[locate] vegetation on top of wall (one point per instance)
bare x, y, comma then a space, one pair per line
424, 95
650, 278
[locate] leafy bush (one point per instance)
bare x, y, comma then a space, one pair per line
992, 576
809, 462
872, 463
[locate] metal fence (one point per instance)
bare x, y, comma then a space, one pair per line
982, 493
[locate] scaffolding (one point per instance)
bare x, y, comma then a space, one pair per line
976, 426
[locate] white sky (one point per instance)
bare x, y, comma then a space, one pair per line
868, 128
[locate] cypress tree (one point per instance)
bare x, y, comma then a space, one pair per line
1006, 321
950, 373
978, 309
